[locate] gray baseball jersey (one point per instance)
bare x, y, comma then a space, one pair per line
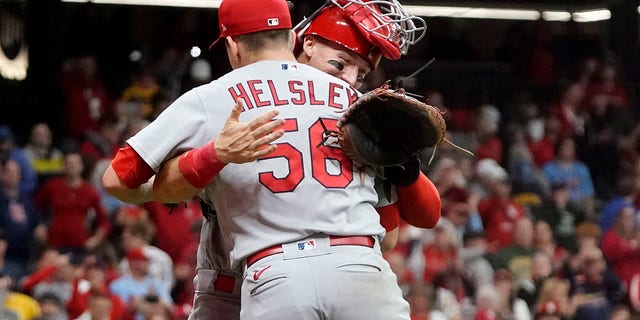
307, 186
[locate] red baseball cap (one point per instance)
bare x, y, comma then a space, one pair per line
237, 17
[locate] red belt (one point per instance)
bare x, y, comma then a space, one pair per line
365, 241
224, 283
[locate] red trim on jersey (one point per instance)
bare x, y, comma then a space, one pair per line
420, 203
131, 168
201, 165
389, 216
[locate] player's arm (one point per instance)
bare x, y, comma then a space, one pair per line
185, 176
390, 220
128, 177
419, 202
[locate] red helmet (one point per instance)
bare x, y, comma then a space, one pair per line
332, 24
370, 28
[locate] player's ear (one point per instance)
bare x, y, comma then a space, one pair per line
292, 40
233, 50
308, 45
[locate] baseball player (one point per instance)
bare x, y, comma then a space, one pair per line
321, 44
302, 260
209, 278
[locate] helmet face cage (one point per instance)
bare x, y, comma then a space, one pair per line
393, 23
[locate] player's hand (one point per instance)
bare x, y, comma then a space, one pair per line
241, 142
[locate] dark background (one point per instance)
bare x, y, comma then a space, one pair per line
477, 61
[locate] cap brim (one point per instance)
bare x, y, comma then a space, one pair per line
214, 43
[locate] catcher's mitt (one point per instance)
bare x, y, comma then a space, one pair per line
386, 127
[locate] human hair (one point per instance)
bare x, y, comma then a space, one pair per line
265, 39
552, 289
561, 142
142, 230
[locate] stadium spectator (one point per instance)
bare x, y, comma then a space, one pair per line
594, 287
541, 269
488, 144
621, 244
509, 306
422, 298
569, 111
9, 150
562, 215
183, 291
543, 241
86, 99
103, 143
627, 191
45, 158
556, 290
606, 86
137, 98
160, 265
499, 212
473, 255
568, 169
517, 256
59, 282
145, 295
93, 282
51, 308
21, 223
542, 138
527, 179
100, 307
67, 201
16, 305
437, 252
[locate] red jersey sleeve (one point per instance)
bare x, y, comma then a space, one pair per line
420, 203
389, 216
131, 168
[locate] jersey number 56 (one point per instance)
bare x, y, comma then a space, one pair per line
320, 155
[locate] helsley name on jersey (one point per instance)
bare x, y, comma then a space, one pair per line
262, 93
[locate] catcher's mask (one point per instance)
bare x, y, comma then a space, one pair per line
371, 28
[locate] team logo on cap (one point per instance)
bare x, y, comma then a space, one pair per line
273, 22
306, 245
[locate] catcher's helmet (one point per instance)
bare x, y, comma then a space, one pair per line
371, 28
332, 24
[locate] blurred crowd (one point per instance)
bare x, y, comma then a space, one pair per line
541, 223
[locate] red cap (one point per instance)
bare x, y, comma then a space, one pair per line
136, 254
237, 17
